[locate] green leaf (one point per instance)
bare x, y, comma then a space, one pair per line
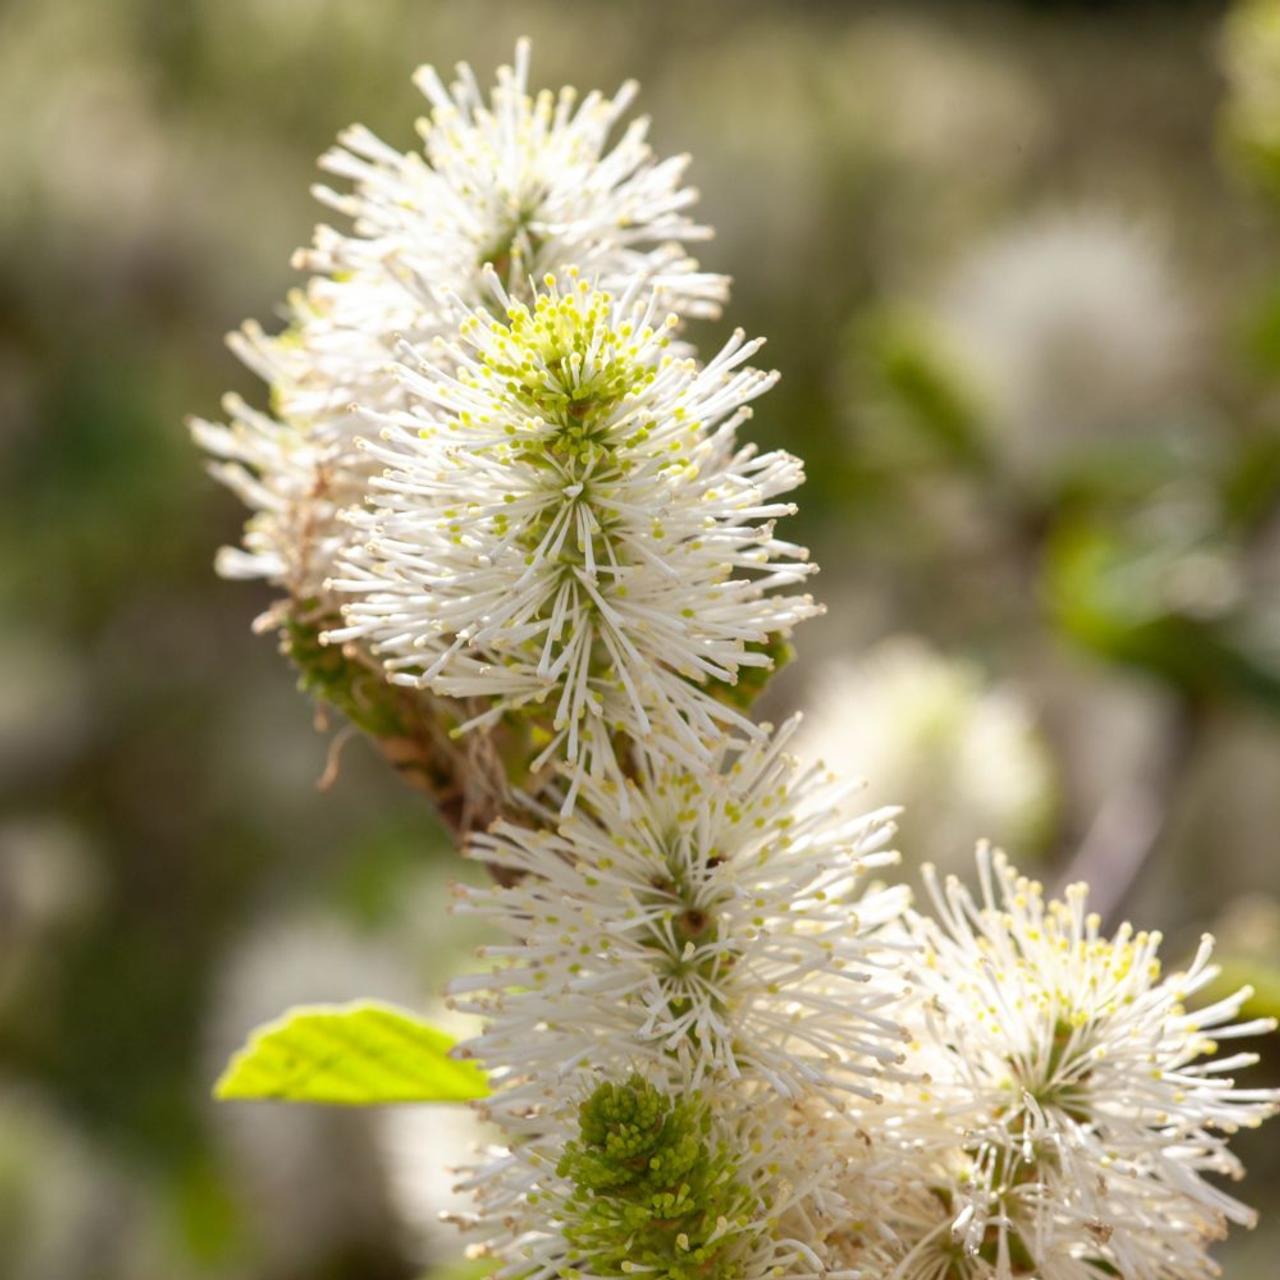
362, 1054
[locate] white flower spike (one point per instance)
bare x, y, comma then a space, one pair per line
1082, 1090
527, 183
566, 527
719, 932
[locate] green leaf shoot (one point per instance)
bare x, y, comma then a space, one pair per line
361, 1054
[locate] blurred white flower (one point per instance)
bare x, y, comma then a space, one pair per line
1076, 333
426, 1150
962, 757
931, 96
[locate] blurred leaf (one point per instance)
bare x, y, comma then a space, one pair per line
1251, 118
207, 1211
1259, 330
912, 381
1249, 928
1249, 971
361, 1054
370, 883
1118, 474
1106, 594
1251, 487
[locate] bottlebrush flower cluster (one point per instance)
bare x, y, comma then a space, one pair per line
566, 526
497, 475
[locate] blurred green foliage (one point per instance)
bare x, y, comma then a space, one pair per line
1114, 552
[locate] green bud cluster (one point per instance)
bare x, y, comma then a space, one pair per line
652, 1189
567, 363
358, 690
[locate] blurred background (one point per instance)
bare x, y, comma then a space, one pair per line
1019, 265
